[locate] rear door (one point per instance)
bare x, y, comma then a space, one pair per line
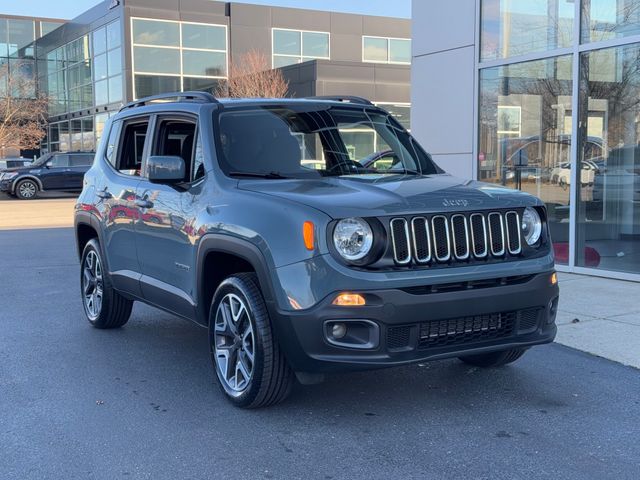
78, 166
125, 147
54, 172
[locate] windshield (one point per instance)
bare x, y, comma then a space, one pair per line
307, 142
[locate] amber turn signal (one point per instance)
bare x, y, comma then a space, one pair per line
349, 300
308, 235
554, 278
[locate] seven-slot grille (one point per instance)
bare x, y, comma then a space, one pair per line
459, 237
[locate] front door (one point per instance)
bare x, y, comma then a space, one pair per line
117, 201
78, 166
165, 249
54, 172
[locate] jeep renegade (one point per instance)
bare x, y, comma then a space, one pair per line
308, 236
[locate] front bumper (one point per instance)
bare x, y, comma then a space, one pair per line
413, 324
6, 186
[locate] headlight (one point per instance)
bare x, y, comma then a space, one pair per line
531, 226
353, 238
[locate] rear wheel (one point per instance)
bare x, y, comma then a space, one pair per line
250, 368
26, 189
494, 359
104, 307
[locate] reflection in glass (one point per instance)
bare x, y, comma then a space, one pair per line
608, 223
607, 19
100, 67
115, 89
280, 61
202, 84
517, 27
48, 27
287, 42
375, 49
525, 134
212, 37
21, 33
101, 90
400, 51
99, 41
204, 63
315, 45
147, 85
155, 32
115, 62
156, 60
113, 35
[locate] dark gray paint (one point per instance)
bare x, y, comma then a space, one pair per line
83, 403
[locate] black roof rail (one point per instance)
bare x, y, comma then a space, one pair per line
343, 98
203, 97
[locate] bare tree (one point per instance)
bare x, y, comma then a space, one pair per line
23, 112
251, 76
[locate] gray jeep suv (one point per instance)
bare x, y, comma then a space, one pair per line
264, 222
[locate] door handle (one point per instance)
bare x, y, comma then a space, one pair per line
104, 194
144, 203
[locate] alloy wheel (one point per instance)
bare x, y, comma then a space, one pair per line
27, 189
92, 285
234, 344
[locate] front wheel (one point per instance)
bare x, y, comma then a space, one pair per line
26, 189
494, 359
104, 307
250, 368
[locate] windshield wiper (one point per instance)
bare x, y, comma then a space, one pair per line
272, 175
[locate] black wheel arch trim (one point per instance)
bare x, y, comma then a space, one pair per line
241, 248
89, 220
20, 178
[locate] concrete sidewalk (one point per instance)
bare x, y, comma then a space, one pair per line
600, 316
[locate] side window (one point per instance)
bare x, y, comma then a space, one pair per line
112, 143
131, 147
58, 161
197, 172
81, 160
176, 139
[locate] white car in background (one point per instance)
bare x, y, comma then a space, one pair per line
562, 173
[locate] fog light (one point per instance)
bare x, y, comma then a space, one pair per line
349, 300
338, 330
554, 278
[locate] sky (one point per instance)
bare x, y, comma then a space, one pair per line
71, 8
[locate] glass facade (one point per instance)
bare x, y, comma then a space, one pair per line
16, 50
296, 46
80, 75
564, 122
386, 50
177, 56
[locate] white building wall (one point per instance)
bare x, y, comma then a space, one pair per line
443, 103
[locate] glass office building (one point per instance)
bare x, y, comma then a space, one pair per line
557, 114
118, 51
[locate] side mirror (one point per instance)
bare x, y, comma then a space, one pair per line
165, 169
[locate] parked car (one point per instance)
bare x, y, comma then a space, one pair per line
297, 272
562, 173
52, 171
6, 163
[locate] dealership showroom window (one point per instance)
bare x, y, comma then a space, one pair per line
559, 117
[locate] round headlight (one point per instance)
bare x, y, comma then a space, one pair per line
353, 238
531, 226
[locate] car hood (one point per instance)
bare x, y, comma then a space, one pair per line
25, 168
379, 195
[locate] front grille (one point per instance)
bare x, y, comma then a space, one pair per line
466, 330
457, 237
398, 337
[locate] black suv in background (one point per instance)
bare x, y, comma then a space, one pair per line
52, 171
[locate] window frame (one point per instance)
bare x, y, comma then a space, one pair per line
123, 124
388, 40
300, 57
180, 49
159, 119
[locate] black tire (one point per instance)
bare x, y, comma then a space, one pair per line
494, 359
26, 189
114, 310
270, 378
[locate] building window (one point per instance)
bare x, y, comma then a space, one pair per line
386, 50
525, 132
296, 46
608, 19
608, 208
177, 56
48, 27
107, 64
510, 28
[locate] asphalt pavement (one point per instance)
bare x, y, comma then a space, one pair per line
140, 402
